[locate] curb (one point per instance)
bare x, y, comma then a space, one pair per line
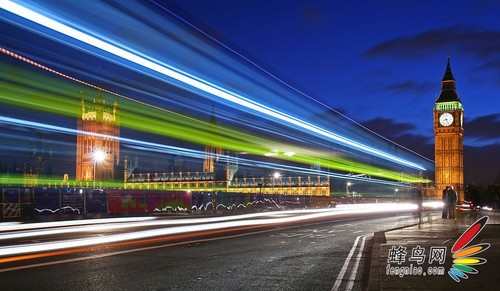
379, 239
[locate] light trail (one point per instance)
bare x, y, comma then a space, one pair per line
42, 229
196, 82
184, 237
230, 117
169, 124
18, 230
330, 162
16, 250
282, 167
433, 204
280, 80
17, 226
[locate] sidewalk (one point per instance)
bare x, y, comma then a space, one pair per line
389, 256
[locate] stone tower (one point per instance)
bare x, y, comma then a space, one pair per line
212, 151
448, 136
98, 152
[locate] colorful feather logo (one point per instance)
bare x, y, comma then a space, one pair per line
464, 258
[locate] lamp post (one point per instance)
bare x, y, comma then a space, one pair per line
98, 157
276, 176
347, 188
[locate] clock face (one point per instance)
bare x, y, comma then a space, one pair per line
446, 119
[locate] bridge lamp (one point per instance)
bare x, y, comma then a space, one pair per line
347, 187
98, 158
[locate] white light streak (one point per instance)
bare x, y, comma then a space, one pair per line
205, 224
18, 226
144, 145
433, 204
193, 81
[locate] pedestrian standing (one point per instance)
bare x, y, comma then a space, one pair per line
445, 202
419, 203
452, 202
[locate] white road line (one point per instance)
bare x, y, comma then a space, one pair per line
356, 265
344, 267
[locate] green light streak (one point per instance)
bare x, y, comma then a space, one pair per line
33, 91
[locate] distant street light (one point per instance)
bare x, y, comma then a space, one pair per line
347, 188
98, 157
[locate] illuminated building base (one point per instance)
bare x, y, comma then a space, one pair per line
200, 181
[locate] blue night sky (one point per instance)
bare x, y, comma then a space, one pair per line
380, 63
377, 61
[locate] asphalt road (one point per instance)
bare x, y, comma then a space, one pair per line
309, 255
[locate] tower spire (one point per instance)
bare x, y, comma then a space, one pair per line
448, 76
448, 88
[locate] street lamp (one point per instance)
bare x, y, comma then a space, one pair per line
347, 188
98, 157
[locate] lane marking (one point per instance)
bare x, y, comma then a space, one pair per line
354, 272
346, 264
350, 284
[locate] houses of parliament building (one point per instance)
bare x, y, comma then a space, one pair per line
99, 134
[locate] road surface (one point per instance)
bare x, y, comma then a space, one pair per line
321, 252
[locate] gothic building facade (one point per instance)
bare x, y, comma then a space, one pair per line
220, 173
98, 144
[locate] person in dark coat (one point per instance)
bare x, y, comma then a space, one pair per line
419, 203
452, 202
444, 213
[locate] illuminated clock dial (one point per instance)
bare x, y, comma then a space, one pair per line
446, 119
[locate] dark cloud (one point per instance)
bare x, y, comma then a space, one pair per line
495, 64
310, 13
402, 134
482, 6
423, 145
412, 86
478, 42
388, 127
484, 128
481, 164
491, 79
332, 115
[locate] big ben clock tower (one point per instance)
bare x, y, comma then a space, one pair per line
448, 136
